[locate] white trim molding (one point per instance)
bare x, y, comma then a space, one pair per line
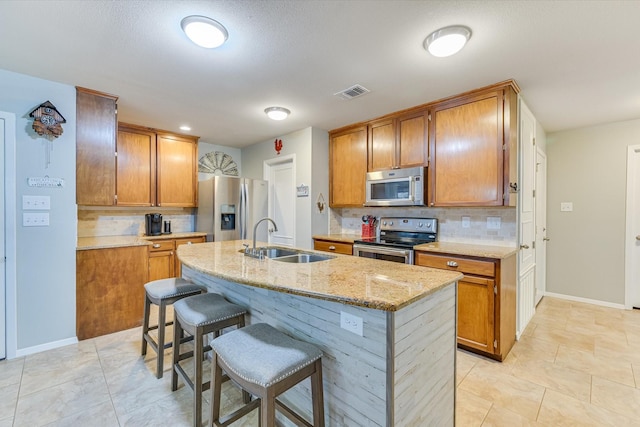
585, 300
47, 346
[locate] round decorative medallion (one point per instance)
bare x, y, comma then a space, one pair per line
218, 161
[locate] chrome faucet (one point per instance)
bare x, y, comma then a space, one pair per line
255, 228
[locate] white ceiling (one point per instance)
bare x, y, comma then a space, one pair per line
576, 62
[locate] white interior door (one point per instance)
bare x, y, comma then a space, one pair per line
526, 214
282, 199
3, 301
541, 225
632, 245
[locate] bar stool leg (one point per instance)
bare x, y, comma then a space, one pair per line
216, 390
197, 382
145, 323
268, 409
162, 314
317, 395
177, 334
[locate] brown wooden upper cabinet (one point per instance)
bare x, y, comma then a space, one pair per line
398, 142
155, 168
96, 127
472, 148
347, 166
472, 140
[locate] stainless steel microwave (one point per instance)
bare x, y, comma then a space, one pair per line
396, 187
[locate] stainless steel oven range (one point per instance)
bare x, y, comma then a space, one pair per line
396, 239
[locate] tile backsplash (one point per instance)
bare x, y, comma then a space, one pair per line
450, 222
104, 221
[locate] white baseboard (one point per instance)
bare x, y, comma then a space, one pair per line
585, 300
43, 347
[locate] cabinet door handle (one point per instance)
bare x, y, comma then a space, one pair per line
638, 237
524, 246
156, 245
189, 243
452, 264
332, 248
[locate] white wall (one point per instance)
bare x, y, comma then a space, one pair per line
205, 148
311, 147
46, 263
587, 166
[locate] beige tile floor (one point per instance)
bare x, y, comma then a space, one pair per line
575, 365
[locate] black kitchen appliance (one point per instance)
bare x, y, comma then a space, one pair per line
396, 239
153, 224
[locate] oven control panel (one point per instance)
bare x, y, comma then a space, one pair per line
421, 225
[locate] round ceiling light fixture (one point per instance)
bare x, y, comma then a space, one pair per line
277, 113
447, 41
204, 32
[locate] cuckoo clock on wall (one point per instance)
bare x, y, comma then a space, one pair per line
47, 120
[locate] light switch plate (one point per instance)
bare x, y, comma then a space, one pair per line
466, 222
35, 219
566, 207
36, 203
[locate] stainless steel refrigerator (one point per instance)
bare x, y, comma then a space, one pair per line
229, 207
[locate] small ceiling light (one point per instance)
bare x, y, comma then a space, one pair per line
447, 41
277, 113
204, 31
185, 127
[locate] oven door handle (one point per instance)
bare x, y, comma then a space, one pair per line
381, 250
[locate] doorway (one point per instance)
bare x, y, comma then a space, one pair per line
632, 239
541, 224
281, 174
8, 329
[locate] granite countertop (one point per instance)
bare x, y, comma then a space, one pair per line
484, 251
346, 238
381, 285
103, 242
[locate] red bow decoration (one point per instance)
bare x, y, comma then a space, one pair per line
278, 145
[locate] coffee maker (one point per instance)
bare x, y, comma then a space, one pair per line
153, 224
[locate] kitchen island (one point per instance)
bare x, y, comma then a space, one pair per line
393, 365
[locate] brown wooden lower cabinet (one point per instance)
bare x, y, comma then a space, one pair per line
333, 246
110, 289
163, 262
486, 300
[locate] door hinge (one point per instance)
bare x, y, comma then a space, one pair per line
429, 117
495, 289
495, 343
533, 244
504, 147
534, 141
115, 198
534, 193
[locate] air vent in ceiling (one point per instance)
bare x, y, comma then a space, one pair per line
353, 92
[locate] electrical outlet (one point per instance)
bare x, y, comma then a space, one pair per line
493, 223
466, 222
351, 323
35, 219
566, 207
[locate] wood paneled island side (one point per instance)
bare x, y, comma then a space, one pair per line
400, 372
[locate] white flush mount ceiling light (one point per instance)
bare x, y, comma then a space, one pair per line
447, 41
204, 31
277, 113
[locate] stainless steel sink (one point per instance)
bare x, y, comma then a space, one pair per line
303, 258
269, 252
277, 252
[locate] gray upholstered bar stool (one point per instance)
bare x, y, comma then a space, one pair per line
266, 363
200, 315
163, 293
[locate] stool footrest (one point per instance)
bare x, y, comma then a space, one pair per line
236, 415
293, 417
